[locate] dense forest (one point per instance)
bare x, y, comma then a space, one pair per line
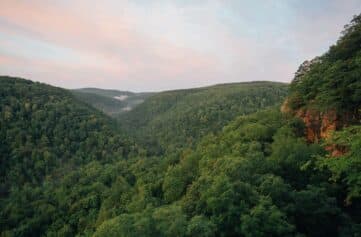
220, 161
178, 119
332, 81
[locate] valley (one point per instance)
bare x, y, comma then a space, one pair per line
251, 159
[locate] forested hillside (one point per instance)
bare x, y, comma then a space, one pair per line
326, 92
45, 131
111, 102
262, 175
332, 81
47, 137
242, 167
178, 119
259, 177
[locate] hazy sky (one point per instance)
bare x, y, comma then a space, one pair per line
145, 45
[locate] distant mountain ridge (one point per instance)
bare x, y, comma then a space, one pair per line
233, 163
104, 92
111, 102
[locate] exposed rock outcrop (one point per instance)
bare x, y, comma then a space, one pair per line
319, 125
336, 150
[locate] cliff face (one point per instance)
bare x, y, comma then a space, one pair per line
323, 101
320, 125
325, 92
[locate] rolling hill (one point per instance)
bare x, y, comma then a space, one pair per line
244, 166
44, 128
174, 119
111, 102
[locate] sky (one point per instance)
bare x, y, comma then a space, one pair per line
154, 45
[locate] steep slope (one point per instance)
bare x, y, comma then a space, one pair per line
111, 102
174, 119
326, 95
326, 91
44, 128
257, 177
267, 173
51, 147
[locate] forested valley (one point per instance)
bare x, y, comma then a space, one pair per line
253, 159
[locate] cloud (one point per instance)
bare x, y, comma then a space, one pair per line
106, 42
158, 45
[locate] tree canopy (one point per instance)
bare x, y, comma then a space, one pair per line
217, 161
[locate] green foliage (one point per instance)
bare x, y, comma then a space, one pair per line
170, 221
290, 154
46, 136
265, 219
334, 81
127, 225
46, 131
200, 226
179, 119
316, 212
346, 169
178, 177
67, 170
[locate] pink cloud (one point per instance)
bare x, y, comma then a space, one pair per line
162, 45
109, 41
